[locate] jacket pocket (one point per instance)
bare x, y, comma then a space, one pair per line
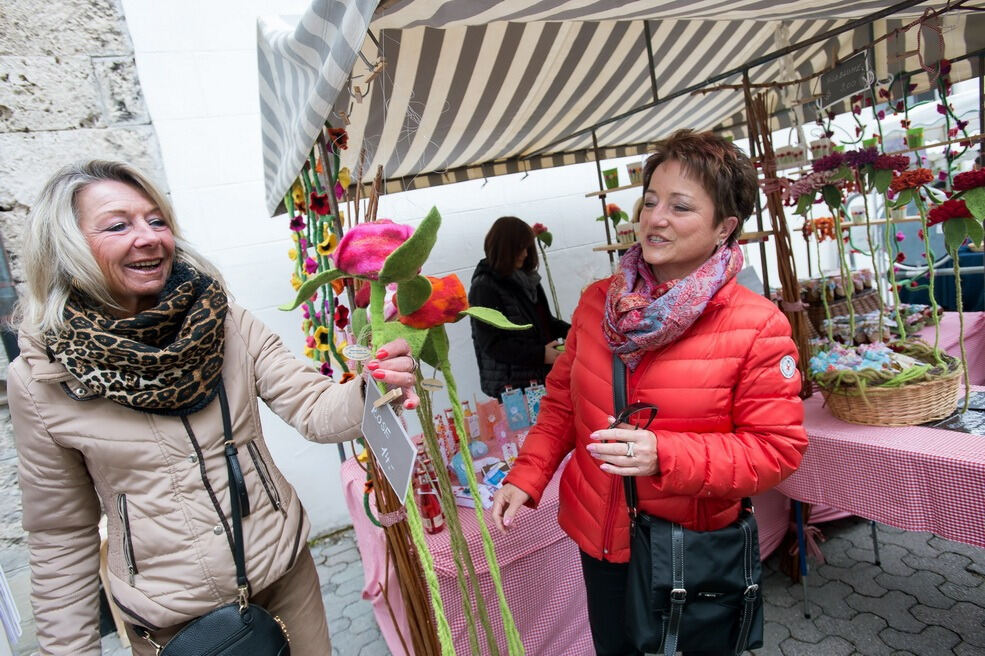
128, 555
265, 478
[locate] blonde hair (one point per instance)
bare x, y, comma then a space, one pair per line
56, 256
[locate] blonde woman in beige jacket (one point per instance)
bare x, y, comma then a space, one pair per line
126, 335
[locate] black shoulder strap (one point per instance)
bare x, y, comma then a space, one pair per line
237, 492
618, 403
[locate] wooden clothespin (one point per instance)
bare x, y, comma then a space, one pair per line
392, 395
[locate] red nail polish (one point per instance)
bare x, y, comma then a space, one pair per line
410, 405
372, 365
381, 354
379, 375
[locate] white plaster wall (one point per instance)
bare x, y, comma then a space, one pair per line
197, 67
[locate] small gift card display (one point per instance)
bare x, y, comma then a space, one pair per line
515, 405
534, 394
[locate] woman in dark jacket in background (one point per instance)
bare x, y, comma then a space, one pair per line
507, 280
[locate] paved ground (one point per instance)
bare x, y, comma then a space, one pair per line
926, 599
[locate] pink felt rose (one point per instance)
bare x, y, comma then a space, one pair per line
365, 247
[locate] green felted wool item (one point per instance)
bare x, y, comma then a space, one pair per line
310, 286
412, 294
405, 262
493, 318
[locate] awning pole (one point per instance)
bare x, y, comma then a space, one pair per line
605, 213
759, 206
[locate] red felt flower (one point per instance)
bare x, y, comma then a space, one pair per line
949, 209
326, 369
338, 139
341, 317
969, 180
539, 228
900, 257
911, 179
362, 293
319, 204
447, 299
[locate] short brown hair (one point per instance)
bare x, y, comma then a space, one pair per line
725, 172
506, 239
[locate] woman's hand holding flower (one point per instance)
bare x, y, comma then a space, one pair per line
395, 365
625, 451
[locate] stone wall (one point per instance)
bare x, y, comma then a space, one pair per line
68, 90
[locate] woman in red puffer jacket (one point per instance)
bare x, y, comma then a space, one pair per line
714, 357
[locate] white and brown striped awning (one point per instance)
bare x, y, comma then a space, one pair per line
470, 89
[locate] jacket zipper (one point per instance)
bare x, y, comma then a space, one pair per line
128, 555
264, 472
610, 517
207, 484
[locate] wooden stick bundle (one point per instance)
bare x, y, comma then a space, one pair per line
759, 132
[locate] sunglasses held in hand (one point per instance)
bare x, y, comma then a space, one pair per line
633, 409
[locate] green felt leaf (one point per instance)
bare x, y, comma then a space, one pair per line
903, 198
882, 179
546, 238
429, 352
975, 200
394, 329
975, 230
804, 203
831, 196
404, 263
955, 232
412, 294
436, 347
493, 318
311, 286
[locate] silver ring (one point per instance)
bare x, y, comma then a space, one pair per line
413, 365
629, 449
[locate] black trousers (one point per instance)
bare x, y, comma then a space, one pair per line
605, 587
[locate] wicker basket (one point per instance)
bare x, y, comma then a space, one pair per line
864, 301
907, 405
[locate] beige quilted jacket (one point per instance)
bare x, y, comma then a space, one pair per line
163, 485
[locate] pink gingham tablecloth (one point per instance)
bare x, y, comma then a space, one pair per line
914, 478
539, 564
974, 341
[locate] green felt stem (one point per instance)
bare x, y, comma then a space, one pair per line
824, 293
846, 272
888, 232
513, 642
470, 589
376, 297
922, 209
430, 576
960, 305
868, 236
550, 279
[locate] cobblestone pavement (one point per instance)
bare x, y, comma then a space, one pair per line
926, 599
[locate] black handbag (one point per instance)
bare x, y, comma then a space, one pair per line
239, 628
690, 590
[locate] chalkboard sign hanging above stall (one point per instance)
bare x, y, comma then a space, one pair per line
848, 78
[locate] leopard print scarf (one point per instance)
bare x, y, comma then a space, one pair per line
165, 360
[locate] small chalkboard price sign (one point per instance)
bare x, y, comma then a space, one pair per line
851, 76
394, 451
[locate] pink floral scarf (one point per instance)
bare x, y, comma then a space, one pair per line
642, 314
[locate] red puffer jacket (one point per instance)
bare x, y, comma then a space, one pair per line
730, 422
